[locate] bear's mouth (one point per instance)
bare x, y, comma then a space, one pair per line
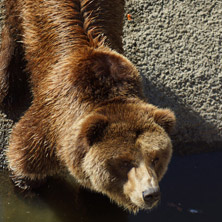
144, 205
149, 206
136, 206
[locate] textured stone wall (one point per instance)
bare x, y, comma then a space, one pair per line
177, 46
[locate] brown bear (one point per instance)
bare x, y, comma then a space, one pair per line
88, 113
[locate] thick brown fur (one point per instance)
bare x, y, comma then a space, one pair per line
88, 113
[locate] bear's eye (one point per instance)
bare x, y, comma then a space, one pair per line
126, 165
138, 133
155, 161
119, 168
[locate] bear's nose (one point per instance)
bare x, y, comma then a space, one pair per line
151, 195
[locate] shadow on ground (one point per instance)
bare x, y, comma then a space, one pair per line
190, 124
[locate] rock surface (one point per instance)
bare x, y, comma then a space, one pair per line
177, 47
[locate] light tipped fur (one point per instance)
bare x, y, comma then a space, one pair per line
88, 112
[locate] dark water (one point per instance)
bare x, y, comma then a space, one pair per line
191, 191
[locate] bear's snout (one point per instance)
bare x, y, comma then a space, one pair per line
151, 196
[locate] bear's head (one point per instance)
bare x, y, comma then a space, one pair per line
124, 151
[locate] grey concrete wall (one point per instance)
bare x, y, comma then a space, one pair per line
5, 128
177, 46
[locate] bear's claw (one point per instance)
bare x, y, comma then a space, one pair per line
25, 183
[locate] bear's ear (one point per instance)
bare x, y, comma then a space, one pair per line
165, 118
92, 129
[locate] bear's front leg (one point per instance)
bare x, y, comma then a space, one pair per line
31, 157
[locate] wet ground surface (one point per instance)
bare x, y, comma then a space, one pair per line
191, 191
